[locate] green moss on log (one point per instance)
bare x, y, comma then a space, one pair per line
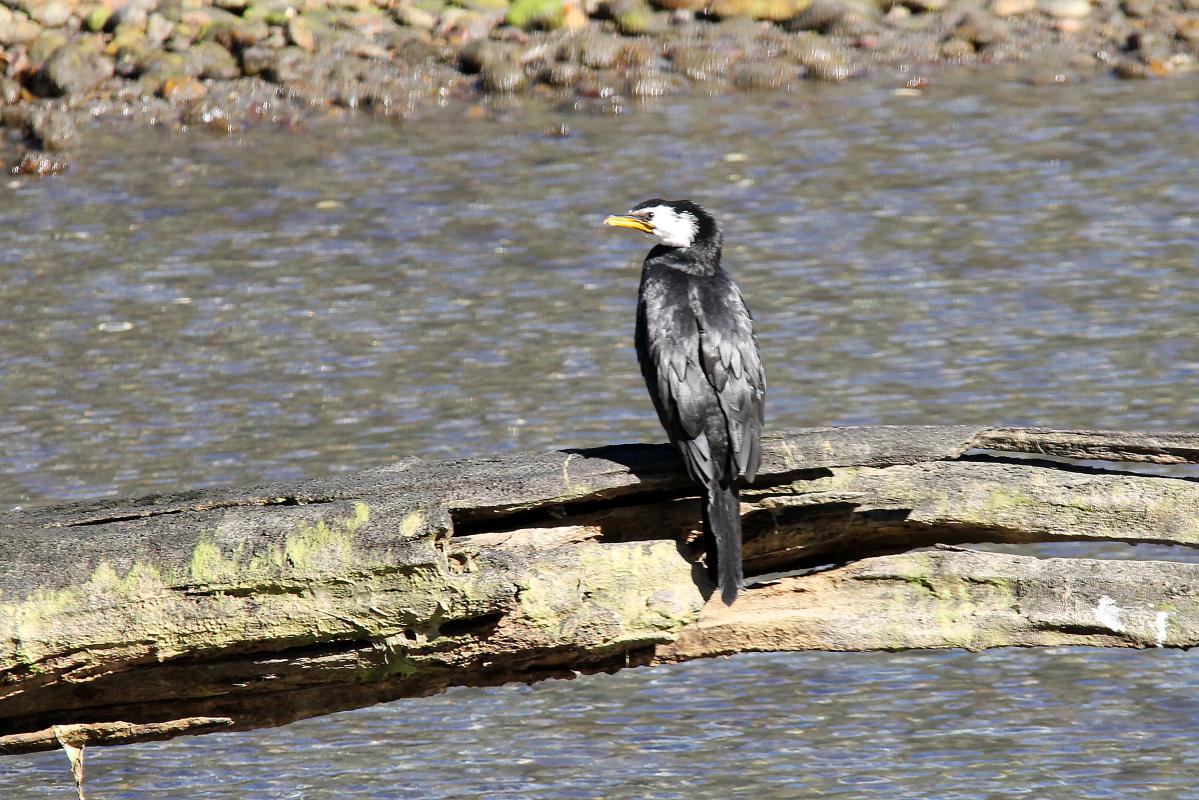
312, 549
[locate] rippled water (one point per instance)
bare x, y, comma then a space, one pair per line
184, 310
949, 726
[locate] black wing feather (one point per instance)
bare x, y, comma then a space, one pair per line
729, 355
668, 350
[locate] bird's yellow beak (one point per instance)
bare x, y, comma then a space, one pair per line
629, 222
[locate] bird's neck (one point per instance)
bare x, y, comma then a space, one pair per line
702, 258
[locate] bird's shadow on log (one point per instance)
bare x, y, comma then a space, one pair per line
782, 538
789, 536
646, 462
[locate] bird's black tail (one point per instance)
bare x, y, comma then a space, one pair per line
722, 539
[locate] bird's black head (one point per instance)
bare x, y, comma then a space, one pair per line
676, 223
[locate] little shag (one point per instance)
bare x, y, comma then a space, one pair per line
699, 354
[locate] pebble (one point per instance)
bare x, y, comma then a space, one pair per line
53, 129
757, 77
833, 71
532, 14
77, 68
135, 14
1138, 8
183, 89
158, 30
820, 15
573, 16
474, 55
415, 17
45, 45
292, 65
16, 28
983, 29
258, 60
821, 59
1188, 29
649, 84
682, 5
36, 162
837, 16
97, 19
503, 77
638, 53
10, 92
53, 14
206, 114
925, 6
1066, 9
600, 85
955, 49
415, 51
161, 64
300, 33
561, 73
699, 63
639, 19
1011, 8
772, 10
210, 60
600, 52
1132, 70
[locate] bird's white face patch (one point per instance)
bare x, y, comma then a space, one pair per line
673, 228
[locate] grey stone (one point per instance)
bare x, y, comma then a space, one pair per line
1066, 9
54, 14
16, 28
77, 68
53, 129
210, 60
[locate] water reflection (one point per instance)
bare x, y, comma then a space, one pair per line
1010, 723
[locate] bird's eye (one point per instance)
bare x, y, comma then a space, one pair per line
649, 215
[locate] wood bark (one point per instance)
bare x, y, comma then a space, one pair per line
227, 609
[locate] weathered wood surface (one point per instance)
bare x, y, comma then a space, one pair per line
264, 605
1154, 448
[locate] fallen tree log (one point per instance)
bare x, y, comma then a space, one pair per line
228, 609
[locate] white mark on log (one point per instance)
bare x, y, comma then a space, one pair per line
411, 523
1108, 613
566, 471
789, 457
1159, 626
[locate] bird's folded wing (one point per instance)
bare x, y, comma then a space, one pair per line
730, 360
687, 401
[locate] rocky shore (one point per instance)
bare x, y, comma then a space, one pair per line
221, 65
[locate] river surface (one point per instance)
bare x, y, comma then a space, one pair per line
183, 310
